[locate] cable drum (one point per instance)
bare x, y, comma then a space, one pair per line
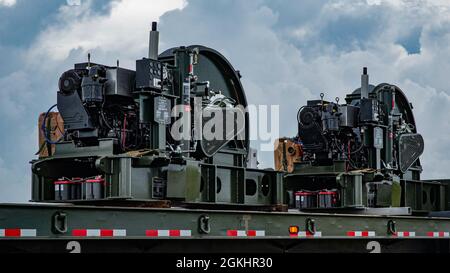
213, 67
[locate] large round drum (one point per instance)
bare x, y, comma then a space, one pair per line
215, 68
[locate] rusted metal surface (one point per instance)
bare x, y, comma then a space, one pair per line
55, 127
287, 152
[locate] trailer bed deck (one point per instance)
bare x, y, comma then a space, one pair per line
77, 228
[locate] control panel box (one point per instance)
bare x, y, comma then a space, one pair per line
149, 74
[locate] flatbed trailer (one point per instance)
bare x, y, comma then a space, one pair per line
66, 228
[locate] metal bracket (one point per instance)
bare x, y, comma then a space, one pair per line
204, 226
391, 227
311, 226
59, 222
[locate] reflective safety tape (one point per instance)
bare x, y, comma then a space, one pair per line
168, 233
405, 234
361, 233
99, 232
439, 234
246, 233
16, 232
307, 234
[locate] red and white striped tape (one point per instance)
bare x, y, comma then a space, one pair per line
405, 234
17, 232
168, 233
440, 234
361, 233
188, 233
307, 234
99, 232
246, 233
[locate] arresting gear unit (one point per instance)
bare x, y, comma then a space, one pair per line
112, 141
359, 156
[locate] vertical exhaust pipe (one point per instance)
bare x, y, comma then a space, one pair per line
153, 48
364, 84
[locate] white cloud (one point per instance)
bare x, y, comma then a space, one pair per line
120, 34
8, 3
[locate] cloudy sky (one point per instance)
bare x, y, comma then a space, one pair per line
287, 50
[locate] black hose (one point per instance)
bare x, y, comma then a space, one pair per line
44, 128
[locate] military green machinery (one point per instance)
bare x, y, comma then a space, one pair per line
122, 141
150, 157
362, 155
